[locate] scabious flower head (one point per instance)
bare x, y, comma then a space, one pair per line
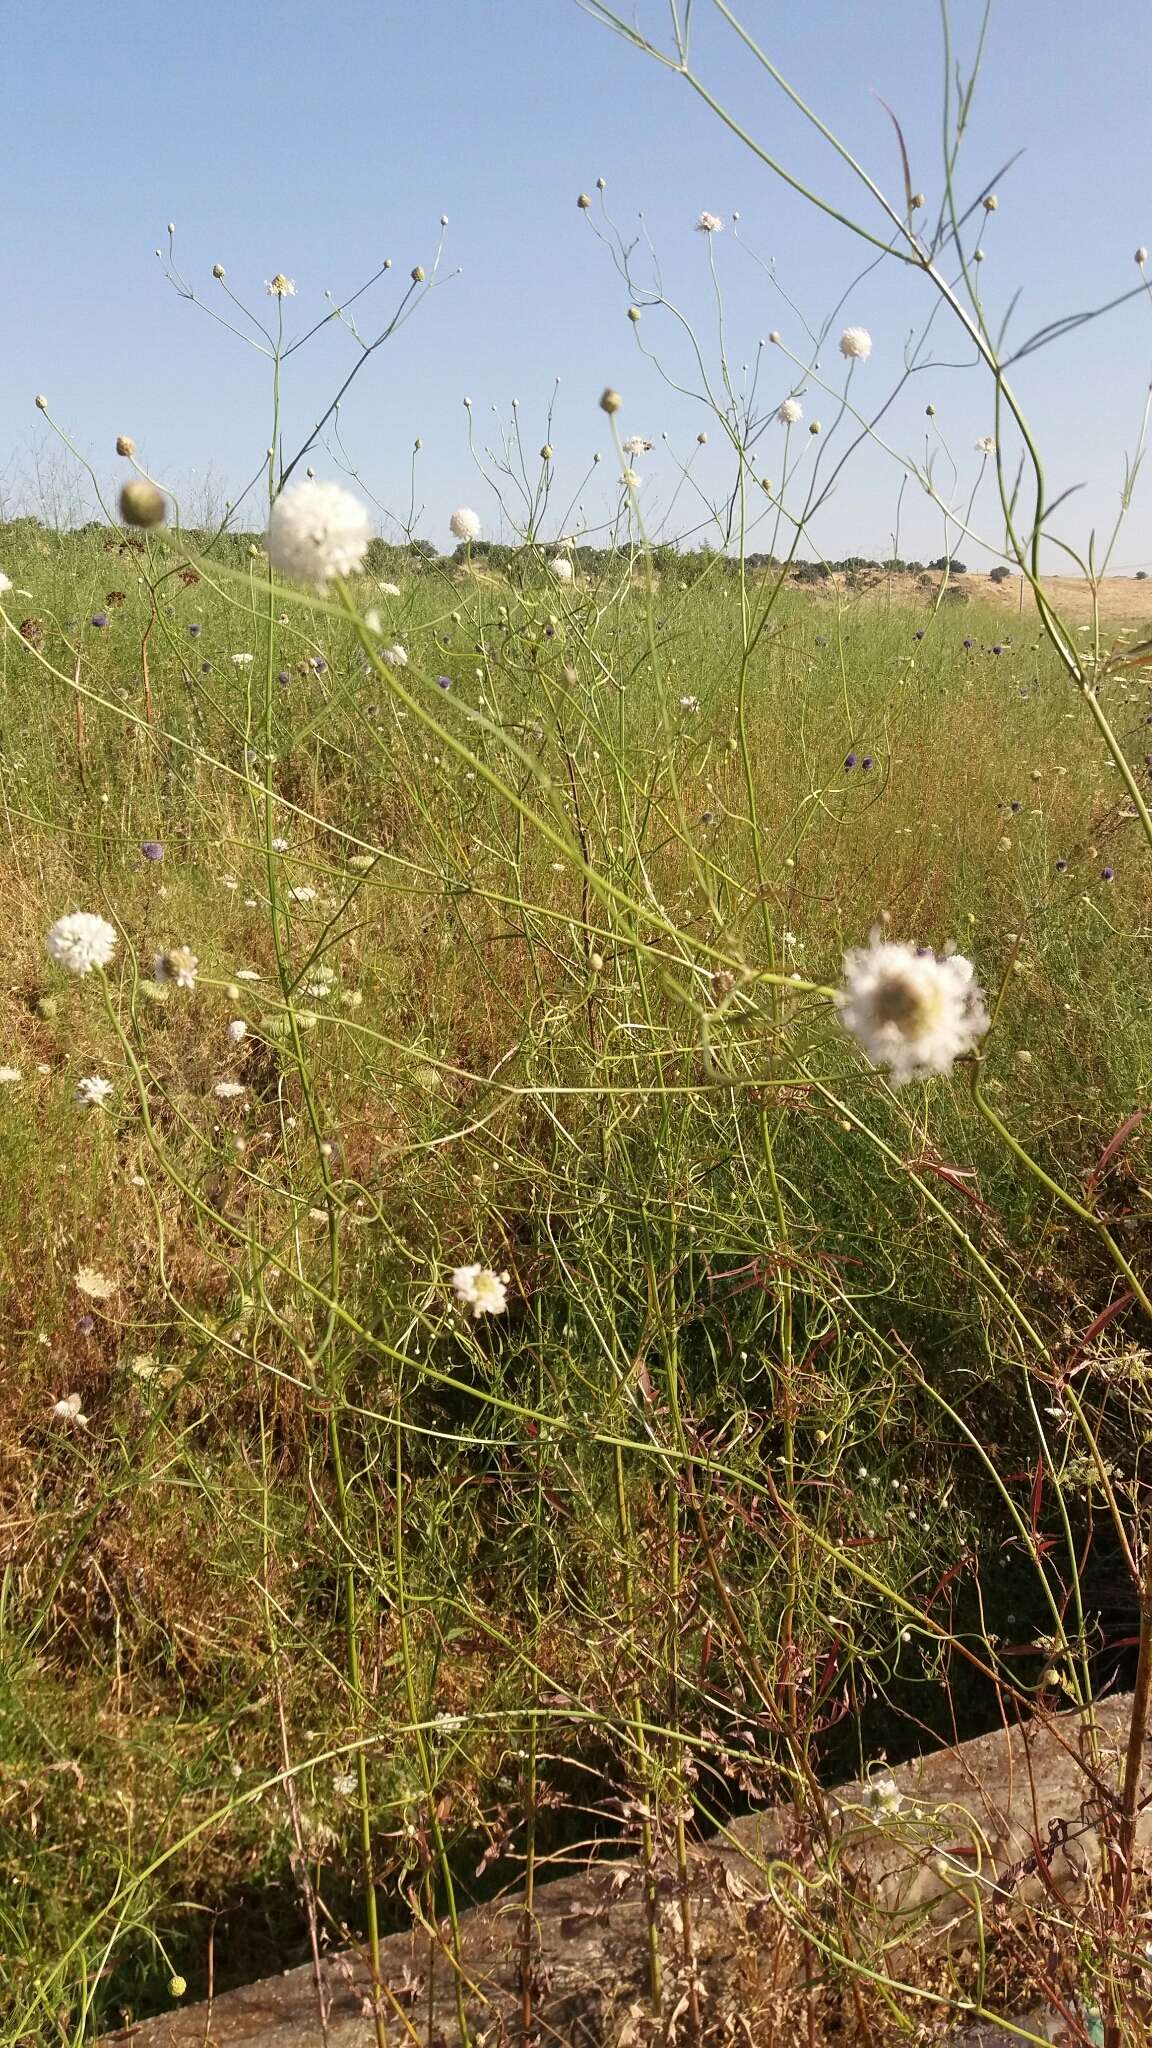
856, 344
178, 964
81, 941
882, 1796
8, 1074
227, 1091
70, 1410
280, 287
561, 568
631, 479
316, 531
986, 445
5, 581
709, 224
912, 1013
480, 1289
395, 656
689, 703
636, 445
237, 1030
239, 660
93, 1091
790, 412
152, 849
465, 523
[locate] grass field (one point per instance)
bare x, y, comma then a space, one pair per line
770, 1463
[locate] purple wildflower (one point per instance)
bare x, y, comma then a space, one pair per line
444, 682
849, 763
919, 633
867, 763
195, 630
152, 849
1107, 874
1061, 867
99, 618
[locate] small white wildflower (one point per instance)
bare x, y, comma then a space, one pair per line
81, 941
689, 703
96, 1285
395, 657
11, 1074
246, 974
388, 589
280, 287
883, 1796
317, 531
709, 224
302, 892
561, 568
237, 1030
986, 445
5, 581
279, 846
631, 479
856, 344
70, 1410
912, 1013
1141, 256
790, 412
93, 1091
465, 523
178, 964
637, 445
227, 1091
240, 660
345, 1783
480, 1289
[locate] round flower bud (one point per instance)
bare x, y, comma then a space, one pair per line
990, 202
600, 183
702, 437
125, 445
418, 273
610, 401
217, 270
546, 452
931, 411
633, 312
774, 337
142, 503
815, 427
171, 227
583, 202
1141, 259
977, 255
41, 402
917, 201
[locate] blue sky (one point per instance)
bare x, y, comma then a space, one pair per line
320, 141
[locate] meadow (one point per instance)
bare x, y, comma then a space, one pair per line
806, 1429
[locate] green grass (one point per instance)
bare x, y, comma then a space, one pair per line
717, 1495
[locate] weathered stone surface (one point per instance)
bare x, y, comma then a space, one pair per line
990, 1813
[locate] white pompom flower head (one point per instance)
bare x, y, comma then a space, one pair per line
856, 344
913, 1013
561, 568
317, 531
465, 523
790, 412
480, 1290
81, 941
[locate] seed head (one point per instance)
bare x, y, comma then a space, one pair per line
702, 438
610, 401
217, 270
1141, 259
774, 337
634, 313
917, 201
546, 452
125, 445
583, 202
41, 402
990, 202
142, 503
417, 273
